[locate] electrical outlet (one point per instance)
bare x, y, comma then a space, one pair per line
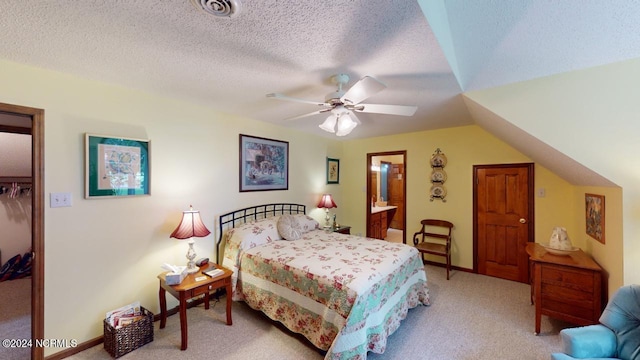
60, 199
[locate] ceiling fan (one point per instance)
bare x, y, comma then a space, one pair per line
344, 104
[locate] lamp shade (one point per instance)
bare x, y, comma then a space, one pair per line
190, 226
327, 202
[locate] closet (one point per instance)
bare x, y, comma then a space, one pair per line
16, 238
15, 212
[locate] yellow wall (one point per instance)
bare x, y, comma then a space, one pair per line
591, 116
464, 147
564, 205
101, 254
556, 208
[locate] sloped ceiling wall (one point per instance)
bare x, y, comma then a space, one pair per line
590, 115
562, 165
584, 126
488, 50
534, 76
496, 42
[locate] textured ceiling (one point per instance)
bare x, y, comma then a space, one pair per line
427, 52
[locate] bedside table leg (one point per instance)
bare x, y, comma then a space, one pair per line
163, 307
229, 322
183, 320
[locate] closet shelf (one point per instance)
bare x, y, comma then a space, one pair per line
15, 179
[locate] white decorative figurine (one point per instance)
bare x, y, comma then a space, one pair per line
559, 239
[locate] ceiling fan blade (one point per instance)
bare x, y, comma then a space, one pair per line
289, 98
401, 110
309, 114
364, 88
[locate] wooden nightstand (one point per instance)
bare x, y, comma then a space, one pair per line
190, 288
342, 229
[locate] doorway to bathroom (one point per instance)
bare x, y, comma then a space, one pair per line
386, 195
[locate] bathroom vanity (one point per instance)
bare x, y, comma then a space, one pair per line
380, 220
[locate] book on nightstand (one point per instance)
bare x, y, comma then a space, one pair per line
213, 272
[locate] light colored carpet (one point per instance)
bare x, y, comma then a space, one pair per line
15, 316
472, 317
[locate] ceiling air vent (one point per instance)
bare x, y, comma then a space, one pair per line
221, 8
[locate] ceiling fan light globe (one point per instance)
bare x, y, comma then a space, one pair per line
329, 124
345, 132
345, 125
345, 121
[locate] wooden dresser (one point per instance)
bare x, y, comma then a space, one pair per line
568, 288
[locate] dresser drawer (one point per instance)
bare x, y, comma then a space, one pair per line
580, 310
568, 279
200, 290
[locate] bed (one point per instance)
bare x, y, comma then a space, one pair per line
346, 294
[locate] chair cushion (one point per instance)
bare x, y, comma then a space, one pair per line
622, 315
594, 341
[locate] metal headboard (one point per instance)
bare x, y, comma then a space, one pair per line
239, 217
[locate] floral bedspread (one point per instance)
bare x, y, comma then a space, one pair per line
344, 293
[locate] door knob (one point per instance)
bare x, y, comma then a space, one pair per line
523, 220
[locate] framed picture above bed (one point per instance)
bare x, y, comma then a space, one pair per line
116, 166
333, 171
264, 164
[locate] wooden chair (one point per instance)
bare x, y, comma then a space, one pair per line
435, 238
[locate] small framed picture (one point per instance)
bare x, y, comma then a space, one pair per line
116, 166
333, 171
264, 164
594, 214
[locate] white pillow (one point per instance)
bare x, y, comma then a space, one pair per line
306, 222
254, 233
289, 228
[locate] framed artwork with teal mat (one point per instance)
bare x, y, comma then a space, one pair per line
116, 166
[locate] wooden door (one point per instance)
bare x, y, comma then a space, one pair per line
503, 221
395, 185
373, 183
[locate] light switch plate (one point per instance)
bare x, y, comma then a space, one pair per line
61, 199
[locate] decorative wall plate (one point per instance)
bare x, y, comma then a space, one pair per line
438, 159
438, 192
438, 175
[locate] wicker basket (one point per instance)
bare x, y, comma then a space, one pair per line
130, 337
